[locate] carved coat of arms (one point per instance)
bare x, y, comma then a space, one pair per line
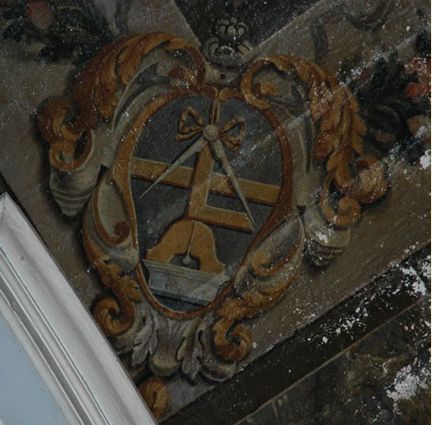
202, 194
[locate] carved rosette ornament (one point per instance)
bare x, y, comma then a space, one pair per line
174, 302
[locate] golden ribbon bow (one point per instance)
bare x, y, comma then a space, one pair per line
213, 136
191, 124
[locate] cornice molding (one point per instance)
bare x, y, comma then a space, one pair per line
58, 334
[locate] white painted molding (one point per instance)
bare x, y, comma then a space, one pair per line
83, 373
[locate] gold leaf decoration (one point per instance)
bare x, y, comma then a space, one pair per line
335, 112
97, 91
155, 394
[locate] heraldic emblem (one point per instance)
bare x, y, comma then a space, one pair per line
202, 196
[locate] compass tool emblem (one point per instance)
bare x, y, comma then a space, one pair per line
190, 241
191, 237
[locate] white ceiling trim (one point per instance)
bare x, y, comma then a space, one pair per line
62, 340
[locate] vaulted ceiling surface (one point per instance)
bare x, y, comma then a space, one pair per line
213, 177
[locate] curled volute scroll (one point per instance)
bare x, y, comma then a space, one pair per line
83, 135
351, 177
93, 138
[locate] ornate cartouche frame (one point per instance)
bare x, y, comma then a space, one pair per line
88, 129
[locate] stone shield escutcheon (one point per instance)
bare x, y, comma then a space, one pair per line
192, 226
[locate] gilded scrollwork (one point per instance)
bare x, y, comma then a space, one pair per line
93, 136
338, 141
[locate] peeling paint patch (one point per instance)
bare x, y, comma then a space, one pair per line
425, 160
406, 384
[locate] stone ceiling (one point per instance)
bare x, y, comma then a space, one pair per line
216, 186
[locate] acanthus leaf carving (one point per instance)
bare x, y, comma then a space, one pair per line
338, 140
210, 340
